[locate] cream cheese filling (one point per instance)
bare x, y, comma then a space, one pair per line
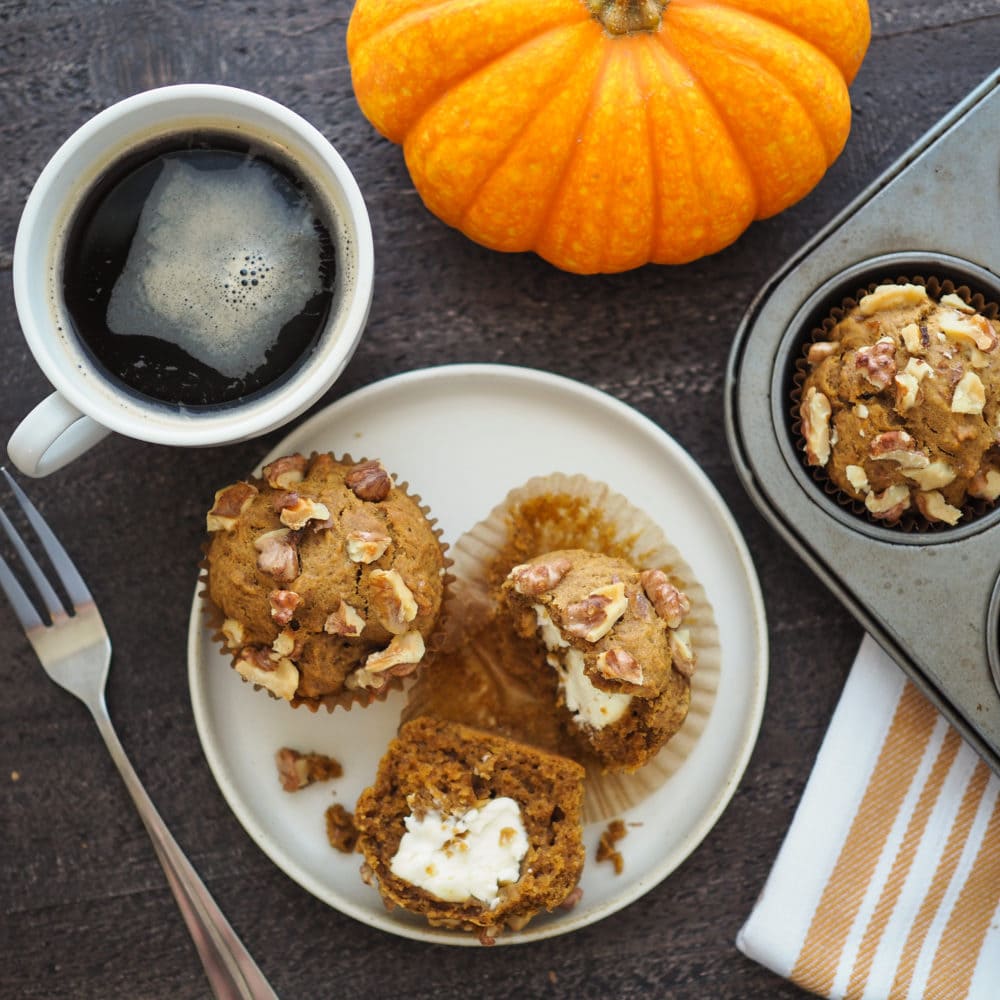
460, 857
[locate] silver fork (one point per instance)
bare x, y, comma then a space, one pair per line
76, 652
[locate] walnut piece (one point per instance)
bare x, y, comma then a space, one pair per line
619, 665
278, 554
908, 383
939, 473
886, 297
595, 616
915, 338
985, 484
392, 600
398, 659
934, 507
815, 414
897, 446
284, 473
283, 604
956, 302
230, 502
369, 481
538, 578
975, 330
366, 546
878, 361
969, 395
820, 351
297, 770
858, 478
682, 652
281, 677
890, 504
234, 633
344, 621
297, 512
670, 603
285, 644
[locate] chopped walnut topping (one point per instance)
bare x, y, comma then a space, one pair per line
974, 330
969, 395
595, 616
619, 665
297, 770
820, 351
892, 297
915, 338
985, 484
366, 546
230, 502
879, 362
682, 652
956, 302
898, 446
815, 414
939, 473
391, 600
284, 473
908, 383
283, 604
670, 603
532, 580
890, 504
344, 621
284, 645
858, 478
281, 677
861, 410
935, 508
298, 511
278, 554
369, 481
234, 633
399, 658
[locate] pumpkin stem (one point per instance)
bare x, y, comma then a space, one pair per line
623, 17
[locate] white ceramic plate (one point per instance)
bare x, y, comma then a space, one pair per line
463, 436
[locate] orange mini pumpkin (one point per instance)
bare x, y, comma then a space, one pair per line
603, 134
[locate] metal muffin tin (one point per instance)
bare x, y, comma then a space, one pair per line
931, 599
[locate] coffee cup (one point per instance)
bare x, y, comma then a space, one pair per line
241, 273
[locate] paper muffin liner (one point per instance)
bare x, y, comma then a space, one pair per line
911, 521
346, 698
558, 511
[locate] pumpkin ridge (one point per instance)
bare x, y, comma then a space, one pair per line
546, 217
544, 98
654, 207
664, 39
720, 45
431, 10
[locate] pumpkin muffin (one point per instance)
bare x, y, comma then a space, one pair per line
900, 405
471, 830
609, 638
328, 578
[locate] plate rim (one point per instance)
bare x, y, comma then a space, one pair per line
734, 773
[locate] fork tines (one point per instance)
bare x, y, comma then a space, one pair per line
70, 579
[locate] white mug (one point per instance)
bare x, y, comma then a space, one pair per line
87, 404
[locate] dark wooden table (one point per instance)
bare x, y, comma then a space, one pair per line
86, 909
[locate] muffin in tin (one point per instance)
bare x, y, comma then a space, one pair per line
899, 403
327, 576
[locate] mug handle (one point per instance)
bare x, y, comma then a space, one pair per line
51, 436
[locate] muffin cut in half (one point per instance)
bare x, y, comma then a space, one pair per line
471, 830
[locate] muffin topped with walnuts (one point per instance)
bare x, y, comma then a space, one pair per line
900, 404
328, 577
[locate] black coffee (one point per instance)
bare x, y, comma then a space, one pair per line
199, 269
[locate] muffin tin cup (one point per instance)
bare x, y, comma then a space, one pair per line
930, 597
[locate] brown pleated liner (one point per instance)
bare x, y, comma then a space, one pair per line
911, 521
347, 698
568, 511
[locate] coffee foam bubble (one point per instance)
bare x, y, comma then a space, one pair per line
220, 261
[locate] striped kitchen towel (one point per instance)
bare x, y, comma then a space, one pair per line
887, 885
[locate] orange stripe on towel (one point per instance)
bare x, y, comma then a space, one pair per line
962, 940
899, 758
939, 883
902, 864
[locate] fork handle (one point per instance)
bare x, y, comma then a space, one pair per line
231, 970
